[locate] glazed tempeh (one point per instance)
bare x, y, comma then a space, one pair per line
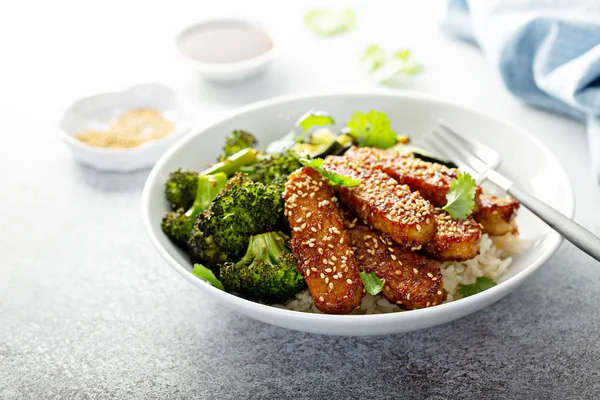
320, 243
383, 203
497, 215
431, 180
455, 240
411, 281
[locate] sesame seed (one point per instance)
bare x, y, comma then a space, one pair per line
438, 292
429, 274
321, 299
415, 271
324, 261
327, 280
398, 272
334, 258
308, 272
312, 228
299, 220
327, 269
322, 275
393, 257
313, 269
330, 285
308, 215
311, 244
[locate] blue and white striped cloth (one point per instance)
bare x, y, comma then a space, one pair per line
547, 52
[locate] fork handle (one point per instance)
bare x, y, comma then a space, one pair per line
568, 228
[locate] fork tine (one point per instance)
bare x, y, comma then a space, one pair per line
462, 155
448, 153
483, 152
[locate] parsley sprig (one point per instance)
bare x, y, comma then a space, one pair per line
204, 273
334, 179
372, 129
481, 283
328, 22
388, 69
371, 282
460, 199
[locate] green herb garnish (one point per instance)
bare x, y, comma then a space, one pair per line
311, 119
328, 23
460, 199
334, 179
371, 282
388, 69
372, 129
373, 57
204, 273
482, 283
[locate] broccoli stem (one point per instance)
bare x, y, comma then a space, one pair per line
268, 246
232, 164
209, 187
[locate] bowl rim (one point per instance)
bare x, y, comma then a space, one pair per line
228, 67
181, 128
229, 300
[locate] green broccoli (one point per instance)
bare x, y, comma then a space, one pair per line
178, 224
180, 188
236, 141
267, 272
271, 167
243, 209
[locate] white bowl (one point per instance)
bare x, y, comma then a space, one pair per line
95, 112
230, 71
526, 161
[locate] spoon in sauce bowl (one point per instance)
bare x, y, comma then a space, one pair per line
226, 50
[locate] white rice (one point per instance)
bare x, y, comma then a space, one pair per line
493, 261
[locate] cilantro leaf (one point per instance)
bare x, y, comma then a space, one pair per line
328, 23
204, 273
386, 69
373, 57
460, 199
371, 282
311, 119
334, 179
372, 129
482, 283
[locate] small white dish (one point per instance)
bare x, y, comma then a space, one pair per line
96, 112
527, 161
226, 71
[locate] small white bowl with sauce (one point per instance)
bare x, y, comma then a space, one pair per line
226, 50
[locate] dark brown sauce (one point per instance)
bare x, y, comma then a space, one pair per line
224, 43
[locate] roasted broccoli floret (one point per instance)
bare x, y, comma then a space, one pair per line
271, 167
243, 209
267, 272
177, 225
180, 189
236, 141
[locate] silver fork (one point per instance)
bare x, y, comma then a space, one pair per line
480, 161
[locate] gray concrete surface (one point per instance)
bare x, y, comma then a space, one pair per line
88, 310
